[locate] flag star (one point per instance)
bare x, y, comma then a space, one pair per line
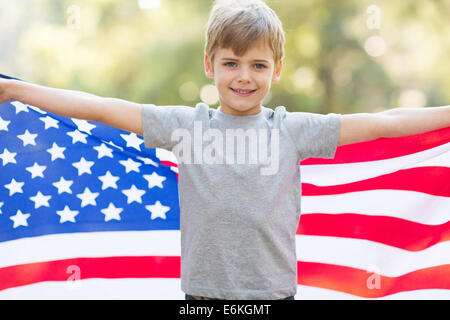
67, 215
87, 197
56, 152
40, 200
77, 136
36, 109
28, 138
108, 180
14, 187
133, 194
8, 157
19, 106
148, 161
4, 124
63, 185
130, 165
104, 151
83, 166
115, 145
154, 180
157, 210
132, 140
36, 170
83, 125
50, 122
1, 205
20, 219
111, 212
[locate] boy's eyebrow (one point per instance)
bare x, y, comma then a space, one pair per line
255, 60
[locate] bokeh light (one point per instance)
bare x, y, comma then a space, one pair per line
412, 98
209, 94
375, 46
189, 91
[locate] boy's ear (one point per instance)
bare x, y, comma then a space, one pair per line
209, 71
277, 72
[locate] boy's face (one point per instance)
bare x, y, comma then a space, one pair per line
244, 81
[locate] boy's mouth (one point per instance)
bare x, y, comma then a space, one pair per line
243, 93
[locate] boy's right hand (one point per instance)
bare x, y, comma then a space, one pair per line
5, 95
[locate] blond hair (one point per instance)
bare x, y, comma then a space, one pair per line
239, 24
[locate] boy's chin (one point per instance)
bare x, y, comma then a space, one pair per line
244, 109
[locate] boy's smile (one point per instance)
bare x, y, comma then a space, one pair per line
244, 81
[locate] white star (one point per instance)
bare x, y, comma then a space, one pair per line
132, 140
157, 210
36, 109
130, 165
40, 200
83, 125
28, 138
63, 185
148, 161
111, 212
36, 170
19, 106
87, 197
104, 151
67, 215
49, 122
114, 145
77, 136
4, 124
108, 180
1, 205
7, 157
14, 187
154, 180
56, 152
133, 194
83, 166
20, 219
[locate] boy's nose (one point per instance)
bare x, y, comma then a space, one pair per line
244, 75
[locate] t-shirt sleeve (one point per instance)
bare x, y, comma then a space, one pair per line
158, 123
314, 135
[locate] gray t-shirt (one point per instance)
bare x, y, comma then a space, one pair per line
239, 215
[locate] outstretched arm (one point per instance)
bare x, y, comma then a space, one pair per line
118, 113
392, 123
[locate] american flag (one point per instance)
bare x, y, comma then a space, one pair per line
86, 211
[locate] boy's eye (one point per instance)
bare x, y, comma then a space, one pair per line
259, 66
229, 64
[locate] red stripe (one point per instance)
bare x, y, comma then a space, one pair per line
109, 267
367, 284
396, 232
169, 163
430, 180
339, 278
385, 148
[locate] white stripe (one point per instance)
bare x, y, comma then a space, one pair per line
90, 244
409, 205
335, 174
169, 289
104, 289
312, 293
371, 256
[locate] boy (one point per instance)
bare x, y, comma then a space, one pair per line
238, 215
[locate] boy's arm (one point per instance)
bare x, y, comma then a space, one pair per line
118, 113
392, 123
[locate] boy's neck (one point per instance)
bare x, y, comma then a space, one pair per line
231, 111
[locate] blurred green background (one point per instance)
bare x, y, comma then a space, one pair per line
342, 56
